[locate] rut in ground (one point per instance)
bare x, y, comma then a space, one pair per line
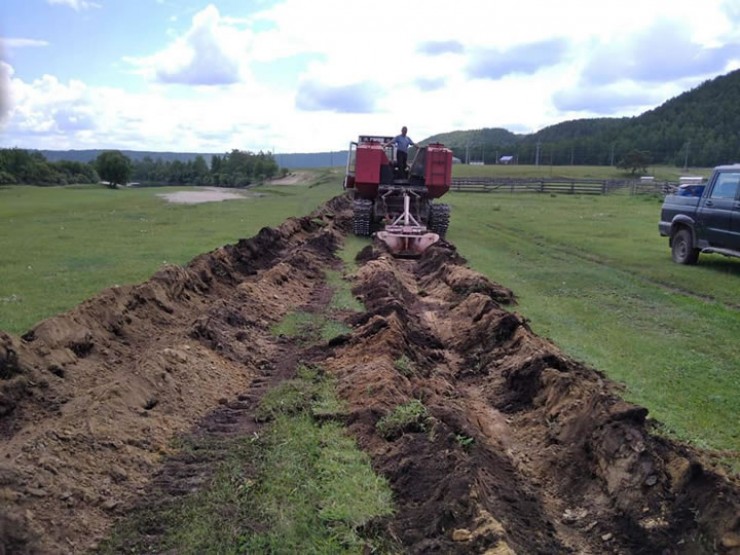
520, 449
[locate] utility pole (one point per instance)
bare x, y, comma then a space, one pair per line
611, 163
686, 159
537, 155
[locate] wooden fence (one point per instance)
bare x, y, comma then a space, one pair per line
557, 186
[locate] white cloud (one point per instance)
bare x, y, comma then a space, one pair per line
310, 76
356, 98
525, 58
6, 73
77, 5
10, 42
663, 52
212, 52
48, 107
607, 100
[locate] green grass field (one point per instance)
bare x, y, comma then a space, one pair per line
61, 245
590, 272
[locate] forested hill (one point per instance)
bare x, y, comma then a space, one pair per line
700, 127
475, 137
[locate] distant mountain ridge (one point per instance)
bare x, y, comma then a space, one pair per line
700, 127
136, 155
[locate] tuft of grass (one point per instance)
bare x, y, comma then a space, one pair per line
317, 491
405, 366
351, 246
315, 494
303, 486
464, 441
299, 324
408, 417
308, 391
309, 327
342, 298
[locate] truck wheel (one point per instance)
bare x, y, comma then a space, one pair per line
682, 249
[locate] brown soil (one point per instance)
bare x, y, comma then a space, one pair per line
524, 450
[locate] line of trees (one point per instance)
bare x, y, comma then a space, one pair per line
234, 169
701, 151
18, 166
237, 168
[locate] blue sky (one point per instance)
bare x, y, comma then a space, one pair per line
311, 75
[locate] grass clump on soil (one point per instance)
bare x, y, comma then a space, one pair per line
408, 417
310, 392
405, 366
299, 486
309, 327
313, 327
316, 491
342, 298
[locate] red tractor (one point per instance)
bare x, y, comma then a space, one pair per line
398, 202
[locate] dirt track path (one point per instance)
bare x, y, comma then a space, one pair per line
569, 253
522, 450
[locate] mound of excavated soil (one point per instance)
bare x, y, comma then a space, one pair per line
522, 449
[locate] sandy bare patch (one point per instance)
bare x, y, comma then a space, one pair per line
210, 194
293, 178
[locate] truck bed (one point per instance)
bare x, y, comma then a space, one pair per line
673, 205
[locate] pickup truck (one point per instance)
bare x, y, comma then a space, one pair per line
707, 223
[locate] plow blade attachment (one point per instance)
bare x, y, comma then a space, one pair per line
407, 244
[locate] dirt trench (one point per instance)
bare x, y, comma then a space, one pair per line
520, 449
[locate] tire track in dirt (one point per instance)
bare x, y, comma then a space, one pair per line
565, 253
522, 450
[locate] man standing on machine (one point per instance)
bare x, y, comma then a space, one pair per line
402, 143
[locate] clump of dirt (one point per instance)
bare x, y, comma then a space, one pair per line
524, 450
90, 400
518, 448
